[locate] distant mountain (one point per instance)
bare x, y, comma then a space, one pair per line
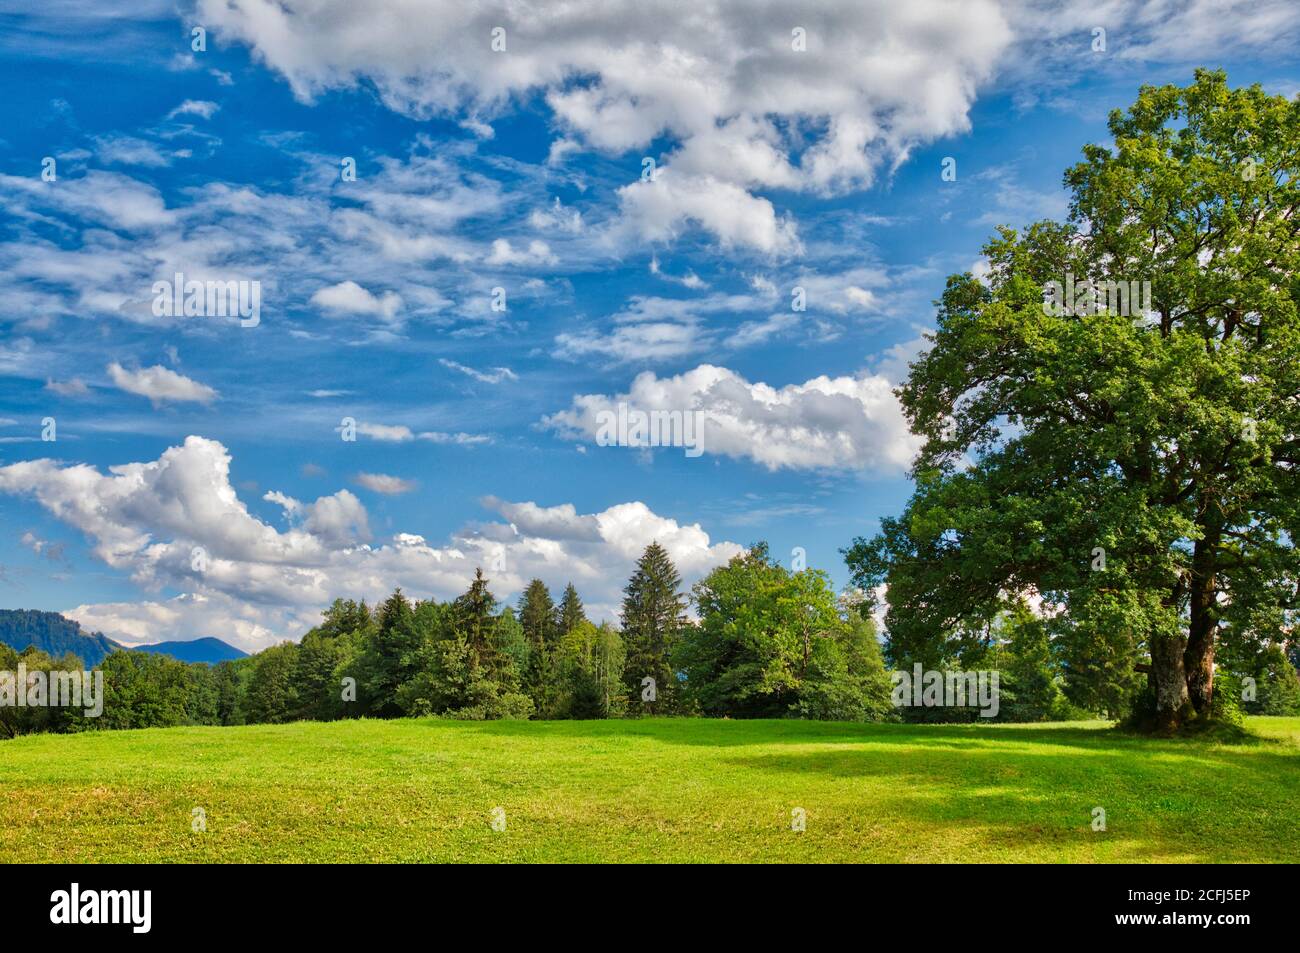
53, 634
207, 649
56, 635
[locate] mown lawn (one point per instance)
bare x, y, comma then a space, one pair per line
652, 790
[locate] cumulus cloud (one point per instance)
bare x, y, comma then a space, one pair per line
339, 520
193, 616
348, 297
875, 76
750, 104
831, 423
537, 253
258, 584
160, 385
658, 209
750, 94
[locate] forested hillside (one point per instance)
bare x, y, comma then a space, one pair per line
52, 634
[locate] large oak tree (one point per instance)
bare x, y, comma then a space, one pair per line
1136, 470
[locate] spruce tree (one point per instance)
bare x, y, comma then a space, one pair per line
654, 612
572, 614
392, 655
538, 615
474, 619
540, 621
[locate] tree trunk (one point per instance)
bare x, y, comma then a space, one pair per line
1198, 659
1169, 679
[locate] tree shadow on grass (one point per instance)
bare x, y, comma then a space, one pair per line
724, 733
1013, 791
1234, 806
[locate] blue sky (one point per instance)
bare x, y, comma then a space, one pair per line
519, 169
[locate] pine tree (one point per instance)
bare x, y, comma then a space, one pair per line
654, 613
572, 614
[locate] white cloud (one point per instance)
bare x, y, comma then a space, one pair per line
348, 297
202, 108
73, 387
389, 433
493, 376
42, 547
644, 341
556, 217
385, 484
194, 616
741, 109
104, 198
463, 439
128, 150
747, 110
839, 423
260, 584
653, 328
689, 280
1161, 31
561, 148
537, 253
396, 238
876, 76
861, 296
756, 332
894, 363
862, 290
400, 433
160, 385
658, 210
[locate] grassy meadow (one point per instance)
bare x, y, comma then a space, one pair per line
649, 790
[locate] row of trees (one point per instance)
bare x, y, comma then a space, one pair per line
768, 642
